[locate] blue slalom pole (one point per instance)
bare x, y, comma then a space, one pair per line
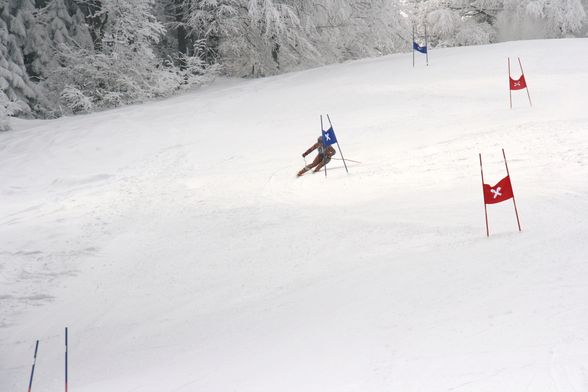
338, 147
324, 150
412, 44
427, 44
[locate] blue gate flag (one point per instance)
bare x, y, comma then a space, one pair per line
329, 137
421, 49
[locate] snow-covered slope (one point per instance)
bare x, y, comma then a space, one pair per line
175, 242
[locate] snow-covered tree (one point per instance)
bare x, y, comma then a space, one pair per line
524, 19
211, 21
455, 22
78, 30
132, 29
376, 27
250, 37
17, 92
350, 29
31, 37
4, 119
273, 40
125, 68
58, 22
96, 18
122, 71
481, 11
262, 37
177, 43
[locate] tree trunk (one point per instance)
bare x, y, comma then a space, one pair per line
181, 32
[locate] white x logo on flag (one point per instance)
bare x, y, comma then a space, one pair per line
517, 84
327, 138
496, 192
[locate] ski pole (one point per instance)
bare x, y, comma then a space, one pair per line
66, 354
33, 368
347, 159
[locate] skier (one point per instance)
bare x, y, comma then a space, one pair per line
323, 157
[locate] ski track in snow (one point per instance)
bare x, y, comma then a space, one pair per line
176, 243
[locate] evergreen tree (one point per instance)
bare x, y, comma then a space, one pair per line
79, 31
17, 92
31, 37
177, 43
58, 22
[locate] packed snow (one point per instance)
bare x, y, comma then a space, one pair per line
176, 243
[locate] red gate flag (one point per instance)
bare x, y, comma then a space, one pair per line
518, 84
499, 192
